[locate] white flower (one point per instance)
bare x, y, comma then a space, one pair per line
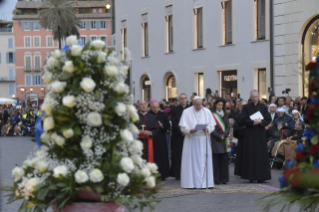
145, 172
111, 70
52, 62
152, 166
26, 163
17, 173
126, 135
68, 67
98, 44
68, 133
86, 143
71, 40
150, 182
76, 50
69, 101
133, 114
137, 159
81, 176
133, 129
121, 88
59, 140
94, 119
34, 162
42, 166
17, 193
58, 86
56, 54
124, 69
60, 170
87, 84
48, 123
96, 176
32, 183
127, 164
45, 137
136, 147
47, 77
120, 109
101, 58
47, 108
123, 179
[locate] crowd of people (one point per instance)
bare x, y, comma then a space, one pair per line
251, 144
18, 122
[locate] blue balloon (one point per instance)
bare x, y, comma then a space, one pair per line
316, 164
309, 133
300, 147
288, 163
283, 182
66, 48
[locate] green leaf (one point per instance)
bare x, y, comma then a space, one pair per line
43, 193
77, 130
62, 118
53, 187
314, 140
62, 185
39, 186
65, 75
311, 159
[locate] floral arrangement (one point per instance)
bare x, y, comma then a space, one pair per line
300, 181
88, 142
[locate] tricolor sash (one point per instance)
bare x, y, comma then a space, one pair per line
221, 124
150, 156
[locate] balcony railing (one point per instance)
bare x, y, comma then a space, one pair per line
7, 79
37, 68
28, 69
5, 29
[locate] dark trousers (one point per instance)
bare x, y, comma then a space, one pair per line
220, 163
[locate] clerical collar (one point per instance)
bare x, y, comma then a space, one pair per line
143, 113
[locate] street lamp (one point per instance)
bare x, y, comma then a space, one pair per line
22, 90
108, 6
13, 96
31, 89
43, 91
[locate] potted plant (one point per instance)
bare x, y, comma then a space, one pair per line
88, 158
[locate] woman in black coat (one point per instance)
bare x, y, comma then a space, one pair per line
219, 144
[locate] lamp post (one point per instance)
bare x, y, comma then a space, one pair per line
43, 91
108, 6
24, 93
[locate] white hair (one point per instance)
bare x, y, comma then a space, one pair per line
253, 91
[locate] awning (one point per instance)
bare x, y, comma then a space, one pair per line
7, 101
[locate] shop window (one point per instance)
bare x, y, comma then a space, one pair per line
146, 90
262, 86
171, 87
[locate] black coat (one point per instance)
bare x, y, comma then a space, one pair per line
239, 133
255, 161
219, 145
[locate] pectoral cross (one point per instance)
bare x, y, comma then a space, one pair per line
143, 126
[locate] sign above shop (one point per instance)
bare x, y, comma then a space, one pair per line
230, 78
147, 82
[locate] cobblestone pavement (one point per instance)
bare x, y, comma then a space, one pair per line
14, 150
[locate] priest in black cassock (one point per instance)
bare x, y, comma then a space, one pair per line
255, 160
148, 129
177, 139
159, 140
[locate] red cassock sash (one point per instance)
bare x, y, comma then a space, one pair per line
150, 156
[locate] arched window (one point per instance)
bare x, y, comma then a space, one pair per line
171, 87
146, 89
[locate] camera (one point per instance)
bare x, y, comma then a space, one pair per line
284, 92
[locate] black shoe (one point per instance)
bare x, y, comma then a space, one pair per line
260, 181
224, 183
177, 178
251, 181
217, 183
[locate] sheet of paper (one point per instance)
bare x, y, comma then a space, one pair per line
256, 115
201, 126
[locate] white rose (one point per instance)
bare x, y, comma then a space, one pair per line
121, 88
76, 50
69, 101
60, 170
47, 77
123, 179
126, 135
111, 70
127, 164
26, 163
17, 173
150, 182
52, 62
56, 54
96, 176
145, 172
58, 86
101, 58
59, 140
137, 159
152, 166
17, 192
34, 162
32, 183
124, 69
133, 129
42, 166
94, 119
71, 40
87, 84
98, 44
136, 147
47, 108
53, 136
86, 143
48, 123
68, 133
68, 67
120, 109
133, 114
81, 176
45, 137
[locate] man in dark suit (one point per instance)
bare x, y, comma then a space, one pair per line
177, 139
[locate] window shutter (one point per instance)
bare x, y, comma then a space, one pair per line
261, 19
31, 26
106, 24
200, 27
90, 24
171, 36
146, 38
34, 80
41, 82
228, 22
7, 54
14, 57
11, 75
106, 41
98, 24
40, 27
23, 26
0, 57
11, 89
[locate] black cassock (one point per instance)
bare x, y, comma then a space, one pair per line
177, 141
150, 124
160, 145
255, 159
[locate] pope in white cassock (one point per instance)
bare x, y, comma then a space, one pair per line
193, 169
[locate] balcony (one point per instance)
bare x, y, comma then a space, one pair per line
28, 69
7, 79
5, 30
37, 69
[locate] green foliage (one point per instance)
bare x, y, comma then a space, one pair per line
84, 11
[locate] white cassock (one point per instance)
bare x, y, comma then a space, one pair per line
193, 169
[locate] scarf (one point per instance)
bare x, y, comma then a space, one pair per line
221, 113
